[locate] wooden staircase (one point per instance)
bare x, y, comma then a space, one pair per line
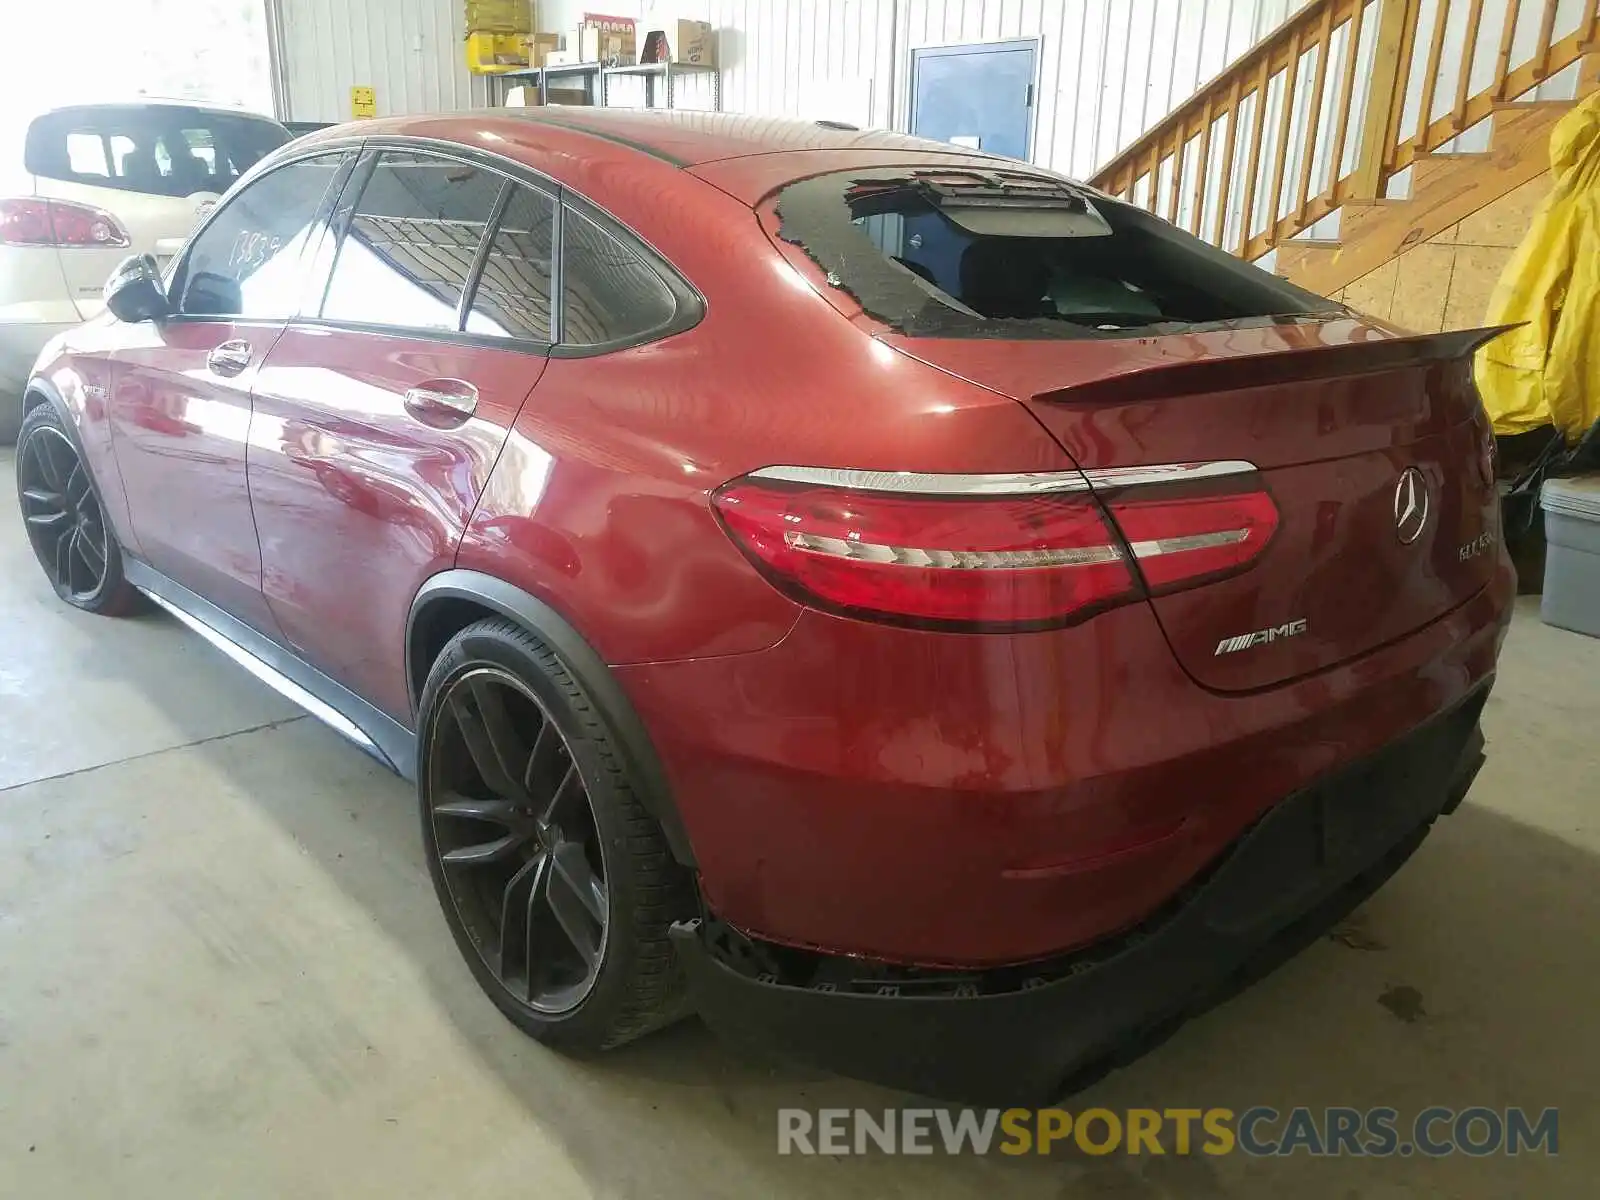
1322, 116
1445, 189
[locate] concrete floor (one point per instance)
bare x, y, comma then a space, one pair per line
222, 973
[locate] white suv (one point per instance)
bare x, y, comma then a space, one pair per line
88, 185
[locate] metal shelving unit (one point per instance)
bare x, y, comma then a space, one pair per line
592, 75
660, 81
666, 75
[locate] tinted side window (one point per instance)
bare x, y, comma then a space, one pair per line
153, 149
246, 262
513, 296
412, 243
609, 293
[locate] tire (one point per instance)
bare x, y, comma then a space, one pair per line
52, 476
497, 679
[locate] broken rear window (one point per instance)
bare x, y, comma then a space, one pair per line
944, 251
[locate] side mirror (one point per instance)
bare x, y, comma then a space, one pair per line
135, 292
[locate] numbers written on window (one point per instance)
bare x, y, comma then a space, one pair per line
412, 243
513, 296
609, 292
246, 263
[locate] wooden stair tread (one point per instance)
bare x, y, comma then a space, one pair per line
1529, 105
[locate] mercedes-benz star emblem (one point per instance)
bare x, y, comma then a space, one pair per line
1410, 506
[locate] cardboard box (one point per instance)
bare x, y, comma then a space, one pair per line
527, 96
690, 43
540, 46
626, 30
561, 58
608, 46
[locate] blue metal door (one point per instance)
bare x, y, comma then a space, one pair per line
979, 96
976, 96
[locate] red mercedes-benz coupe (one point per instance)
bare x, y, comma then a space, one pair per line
911, 608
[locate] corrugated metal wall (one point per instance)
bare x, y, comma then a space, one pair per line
1108, 69
410, 51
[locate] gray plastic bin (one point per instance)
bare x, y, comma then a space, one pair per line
1572, 554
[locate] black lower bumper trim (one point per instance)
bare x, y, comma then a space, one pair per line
1310, 860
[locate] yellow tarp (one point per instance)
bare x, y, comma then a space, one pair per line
1547, 372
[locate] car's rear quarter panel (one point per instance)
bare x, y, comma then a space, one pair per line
600, 505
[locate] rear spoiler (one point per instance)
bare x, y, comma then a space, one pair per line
1281, 366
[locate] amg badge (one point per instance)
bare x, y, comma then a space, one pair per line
1261, 637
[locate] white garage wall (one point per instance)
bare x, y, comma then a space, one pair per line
411, 52
1109, 69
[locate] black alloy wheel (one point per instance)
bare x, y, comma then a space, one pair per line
65, 524
517, 840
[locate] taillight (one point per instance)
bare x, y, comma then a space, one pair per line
1181, 538
987, 551
32, 221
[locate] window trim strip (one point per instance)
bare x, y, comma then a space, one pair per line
690, 303
491, 230
558, 271
1014, 483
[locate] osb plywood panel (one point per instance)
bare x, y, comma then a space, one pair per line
1446, 282
1503, 222
1373, 293
1422, 287
1477, 269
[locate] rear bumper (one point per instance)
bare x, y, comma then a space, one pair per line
1027, 1034
20, 344
976, 802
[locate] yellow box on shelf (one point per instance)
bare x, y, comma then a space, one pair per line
496, 53
499, 16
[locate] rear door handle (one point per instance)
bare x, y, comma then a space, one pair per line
448, 401
230, 358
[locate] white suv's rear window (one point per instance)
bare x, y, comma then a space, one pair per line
158, 150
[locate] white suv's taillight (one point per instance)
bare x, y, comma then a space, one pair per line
33, 221
993, 551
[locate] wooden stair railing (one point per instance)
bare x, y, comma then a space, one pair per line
1331, 105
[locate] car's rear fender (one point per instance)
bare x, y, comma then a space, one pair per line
451, 599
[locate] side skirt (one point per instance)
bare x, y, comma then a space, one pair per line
379, 734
